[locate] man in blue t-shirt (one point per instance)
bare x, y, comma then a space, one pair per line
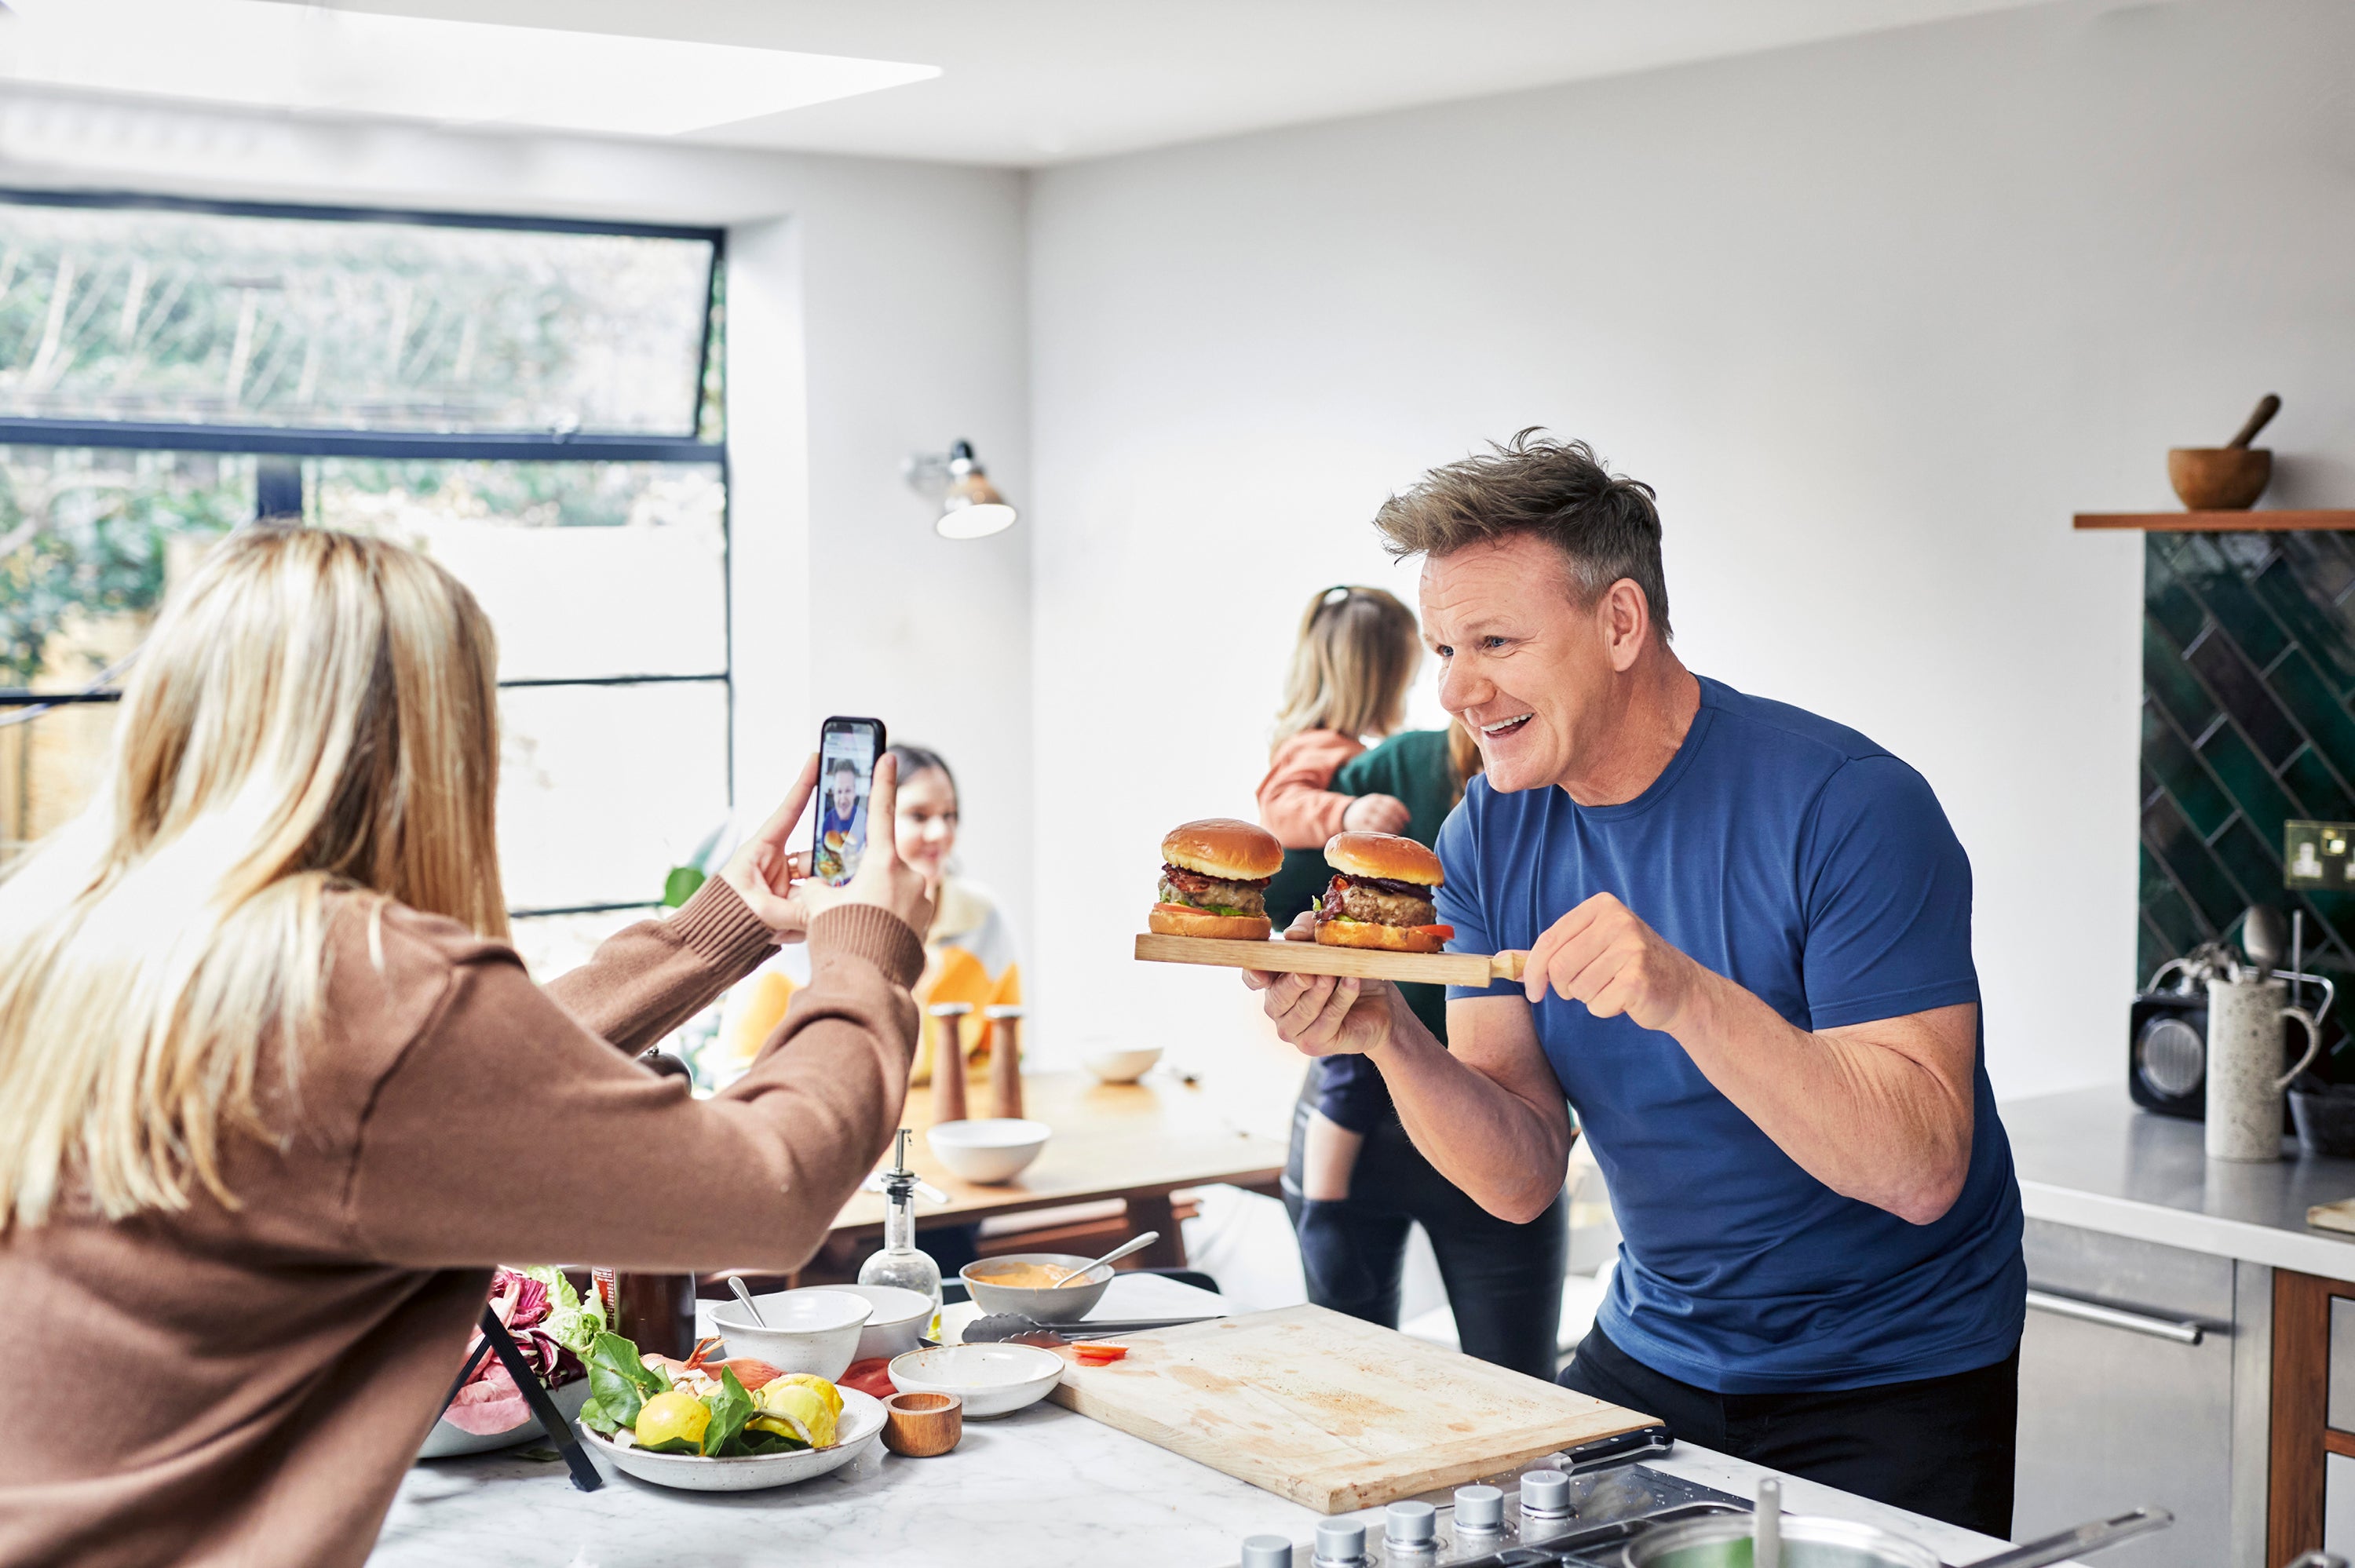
1749, 974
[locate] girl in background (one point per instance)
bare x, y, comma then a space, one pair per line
1354, 1183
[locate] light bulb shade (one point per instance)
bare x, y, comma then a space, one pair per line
972, 509
974, 520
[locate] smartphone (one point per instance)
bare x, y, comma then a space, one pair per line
848, 750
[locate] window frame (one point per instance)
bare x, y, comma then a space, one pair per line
506, 445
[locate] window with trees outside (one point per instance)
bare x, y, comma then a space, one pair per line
535, 403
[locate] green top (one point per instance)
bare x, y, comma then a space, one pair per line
1412, 766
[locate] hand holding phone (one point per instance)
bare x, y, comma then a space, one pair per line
882, 878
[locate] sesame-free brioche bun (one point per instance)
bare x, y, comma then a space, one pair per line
1225, 848
1385, 855
1168, 921
1389, 938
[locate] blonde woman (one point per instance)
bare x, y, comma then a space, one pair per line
275, 1094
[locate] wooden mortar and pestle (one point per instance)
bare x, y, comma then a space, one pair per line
2228, 478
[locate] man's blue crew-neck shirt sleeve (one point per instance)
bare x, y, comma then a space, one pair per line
1819, 872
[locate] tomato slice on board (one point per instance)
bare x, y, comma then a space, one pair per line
1097, 1355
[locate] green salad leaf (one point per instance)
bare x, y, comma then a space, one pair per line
571, 1321
620, 1384
730, 1408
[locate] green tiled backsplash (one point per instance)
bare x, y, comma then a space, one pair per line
2248, 666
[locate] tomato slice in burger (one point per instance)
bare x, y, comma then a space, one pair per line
1445, 933
1180, 909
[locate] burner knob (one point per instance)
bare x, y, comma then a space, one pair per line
1413, 1524
1479, 1508
1339, 1541
1546, 1494
1267, 1552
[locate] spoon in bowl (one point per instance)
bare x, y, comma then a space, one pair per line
750, 1306
1114, 1256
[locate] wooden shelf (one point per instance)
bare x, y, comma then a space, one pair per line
2219, 522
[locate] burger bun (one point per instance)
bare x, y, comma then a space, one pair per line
1385, 855
1167, 922
1224, 847
1386, 939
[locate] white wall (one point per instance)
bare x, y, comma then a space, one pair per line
1875, 316
877, 308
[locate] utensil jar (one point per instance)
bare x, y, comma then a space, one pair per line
2245, 1081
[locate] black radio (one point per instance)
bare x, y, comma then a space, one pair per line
2166, 1056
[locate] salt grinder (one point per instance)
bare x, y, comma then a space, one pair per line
948, 1060
1006, 1059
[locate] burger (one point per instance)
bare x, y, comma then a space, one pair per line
1214, 877
1382, 895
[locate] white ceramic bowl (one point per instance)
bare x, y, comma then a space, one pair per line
996, 1149
1121, 1066
447, 1442
1049, 1304
900, 1318
860, 1424
992, 1380
806, 1330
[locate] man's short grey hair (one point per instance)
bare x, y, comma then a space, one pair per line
1605, 525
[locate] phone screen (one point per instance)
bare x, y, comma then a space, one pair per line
846, 752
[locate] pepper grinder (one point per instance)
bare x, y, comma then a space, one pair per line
948, 1060
1006, 1059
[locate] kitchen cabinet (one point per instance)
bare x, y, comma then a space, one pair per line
2128, 1374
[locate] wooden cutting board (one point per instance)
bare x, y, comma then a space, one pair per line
2338, 1217
1329, 1412
1314, 958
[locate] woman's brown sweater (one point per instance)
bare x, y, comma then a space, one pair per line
247, 1385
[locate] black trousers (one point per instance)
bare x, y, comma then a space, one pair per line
1941, 1447
1504, 1280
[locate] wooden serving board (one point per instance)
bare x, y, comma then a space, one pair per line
1329, 1412
2338, 1217
1314, 958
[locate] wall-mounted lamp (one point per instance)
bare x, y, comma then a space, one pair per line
971, 507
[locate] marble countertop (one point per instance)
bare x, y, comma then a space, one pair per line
1041, 1486
2091, 1158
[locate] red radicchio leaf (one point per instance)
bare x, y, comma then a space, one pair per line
490, 1403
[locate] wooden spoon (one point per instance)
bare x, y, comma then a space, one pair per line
2268, 407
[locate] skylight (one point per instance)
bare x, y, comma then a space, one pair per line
311, 58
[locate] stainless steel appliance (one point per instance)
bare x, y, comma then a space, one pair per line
2126, 1392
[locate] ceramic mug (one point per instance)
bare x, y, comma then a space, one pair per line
2245, 1082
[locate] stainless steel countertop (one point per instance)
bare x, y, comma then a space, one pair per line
2091, 1158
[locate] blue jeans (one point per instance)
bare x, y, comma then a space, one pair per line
1504, 1280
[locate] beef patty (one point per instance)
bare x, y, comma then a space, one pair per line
1179, 885
1349, 899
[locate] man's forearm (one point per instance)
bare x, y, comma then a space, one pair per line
1867, 1118
1507, 1155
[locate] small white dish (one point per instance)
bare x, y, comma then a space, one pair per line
992, 1380
1121, 1066
995, 1149
860, 1424
899, 1323
448, 1442
811, 1331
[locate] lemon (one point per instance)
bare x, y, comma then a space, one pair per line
825, 1389
796, 1410
672, 1416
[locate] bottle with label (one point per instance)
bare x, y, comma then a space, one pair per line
654, 1312
899, 1264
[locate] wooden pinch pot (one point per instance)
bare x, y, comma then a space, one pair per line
921, 1425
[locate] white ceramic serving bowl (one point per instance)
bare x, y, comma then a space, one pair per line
998, 1148
1049, 1304
860, 1424
812, 1330
900, 1318
1121, 1066
447, 1442
992, 1380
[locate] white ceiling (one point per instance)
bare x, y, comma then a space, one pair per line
1030, 83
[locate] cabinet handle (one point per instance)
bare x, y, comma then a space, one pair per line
2184, 1333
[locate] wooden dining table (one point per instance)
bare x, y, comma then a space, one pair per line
1136, 1142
